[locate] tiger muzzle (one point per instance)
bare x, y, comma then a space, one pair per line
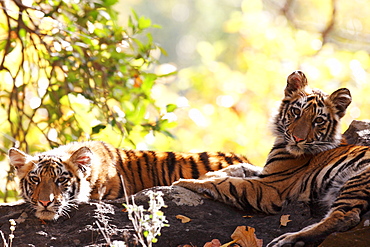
301, 129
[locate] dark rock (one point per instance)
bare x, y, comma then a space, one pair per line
100, 223
358, 133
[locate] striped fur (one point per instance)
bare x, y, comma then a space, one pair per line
56, 180
307, 163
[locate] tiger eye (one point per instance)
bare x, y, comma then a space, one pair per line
296, 111
319, 120
62, 179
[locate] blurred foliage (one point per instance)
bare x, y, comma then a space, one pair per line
233, 58
69, 72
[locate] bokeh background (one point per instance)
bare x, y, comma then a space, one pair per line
233, 57
223, 66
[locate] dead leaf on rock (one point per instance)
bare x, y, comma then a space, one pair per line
245, 237
183, 218
229, 243
284, 219
213, 243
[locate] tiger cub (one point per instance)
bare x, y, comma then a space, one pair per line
308, 163
53, 181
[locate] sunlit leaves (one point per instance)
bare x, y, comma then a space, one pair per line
97, 73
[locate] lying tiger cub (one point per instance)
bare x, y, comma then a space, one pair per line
55, 180
306, 163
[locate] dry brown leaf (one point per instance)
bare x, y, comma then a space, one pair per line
245, 237
229, 243
183, 218
213, 243
247, 216
284, 219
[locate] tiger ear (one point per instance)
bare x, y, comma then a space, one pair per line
295, 82
82, 158
18, 159
341, 100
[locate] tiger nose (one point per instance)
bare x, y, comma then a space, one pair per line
298, 139
45, 203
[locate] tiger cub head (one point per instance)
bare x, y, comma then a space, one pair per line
308, 119
51, 182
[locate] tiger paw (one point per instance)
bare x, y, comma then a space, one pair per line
207, 187
286, 240
196, 185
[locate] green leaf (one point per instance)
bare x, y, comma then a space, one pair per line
148, 82
157, 26
171, 107
110, 2
135, 14
144, 23
113, 122
97, 128
167, 125
2, 44
22, 33
163, 51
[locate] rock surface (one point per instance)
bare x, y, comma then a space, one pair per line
358, 133
101, 223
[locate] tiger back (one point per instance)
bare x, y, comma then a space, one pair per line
309, 162
54, 181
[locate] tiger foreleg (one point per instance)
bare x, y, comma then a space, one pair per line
334, 222
345, 212
245, 194
242, 170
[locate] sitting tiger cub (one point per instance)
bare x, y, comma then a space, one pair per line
307, 163
55, 180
